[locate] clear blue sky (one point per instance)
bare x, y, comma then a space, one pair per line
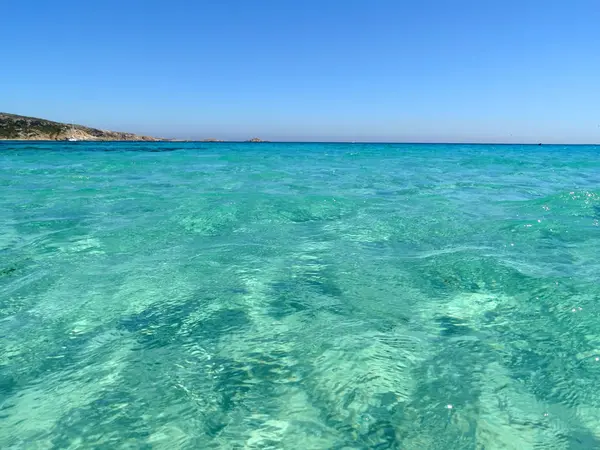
376, 70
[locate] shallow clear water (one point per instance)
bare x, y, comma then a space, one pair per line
299, 296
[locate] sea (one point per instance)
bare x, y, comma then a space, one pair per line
299, 296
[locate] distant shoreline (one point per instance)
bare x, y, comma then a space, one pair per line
200, 141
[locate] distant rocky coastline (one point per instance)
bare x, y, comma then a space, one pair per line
24, 128
15, 127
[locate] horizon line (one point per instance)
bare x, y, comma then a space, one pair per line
375, 142
177, 140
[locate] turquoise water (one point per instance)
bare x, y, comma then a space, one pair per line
299, 296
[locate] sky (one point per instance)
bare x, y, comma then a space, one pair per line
310, 70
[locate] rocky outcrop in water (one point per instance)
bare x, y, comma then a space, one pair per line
15, 127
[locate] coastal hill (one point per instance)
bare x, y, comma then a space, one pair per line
15, 127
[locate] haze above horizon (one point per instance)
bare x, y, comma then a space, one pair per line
429, 71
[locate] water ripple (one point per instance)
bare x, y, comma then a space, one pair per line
187, 295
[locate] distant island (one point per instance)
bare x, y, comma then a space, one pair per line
15, 127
